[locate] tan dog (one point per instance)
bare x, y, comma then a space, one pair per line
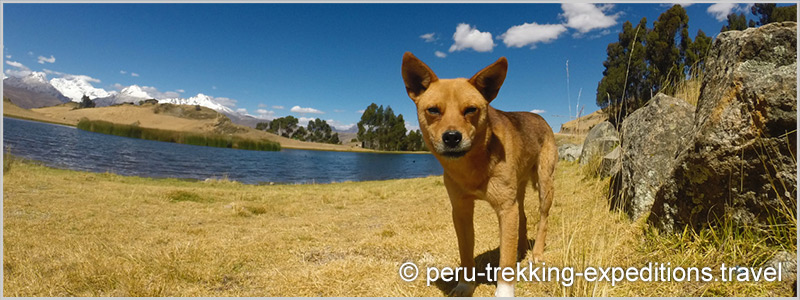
486, 154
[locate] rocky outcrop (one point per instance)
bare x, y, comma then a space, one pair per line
652, 136
600, 140
569, 152
739, 165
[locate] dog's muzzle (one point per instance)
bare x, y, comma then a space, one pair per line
452, 144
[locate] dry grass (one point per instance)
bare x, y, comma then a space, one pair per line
582, 125
689, 89
68, 233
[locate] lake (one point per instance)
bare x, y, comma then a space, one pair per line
70, 148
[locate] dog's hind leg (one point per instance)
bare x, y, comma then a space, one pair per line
544, 175
522, 245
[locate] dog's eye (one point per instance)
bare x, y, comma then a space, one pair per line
434, 110
470, 110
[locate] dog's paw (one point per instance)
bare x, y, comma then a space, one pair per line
504, 289
463, 289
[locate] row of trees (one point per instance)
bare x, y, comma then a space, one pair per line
766, 13
381, 129
646, 61
317, 130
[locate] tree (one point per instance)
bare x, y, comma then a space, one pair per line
665, 58
696, 56
284, 126
735, 22
300, 134
625, 72
414, 141
770, 13
86, 102
381, 129
262, 125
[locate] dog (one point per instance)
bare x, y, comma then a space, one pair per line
486, 154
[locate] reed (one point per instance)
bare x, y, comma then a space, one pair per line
171, 136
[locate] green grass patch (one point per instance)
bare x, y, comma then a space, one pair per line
171, 136
182, 196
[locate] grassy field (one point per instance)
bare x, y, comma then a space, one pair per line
68, 233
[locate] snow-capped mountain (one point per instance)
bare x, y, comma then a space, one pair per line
35, 82
202, 100
75, 87
32, 91
132, 94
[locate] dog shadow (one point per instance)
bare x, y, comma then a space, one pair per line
491, 258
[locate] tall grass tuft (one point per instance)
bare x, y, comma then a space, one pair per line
210, 140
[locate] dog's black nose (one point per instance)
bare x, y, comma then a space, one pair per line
451, 138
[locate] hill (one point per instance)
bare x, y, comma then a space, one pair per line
582, 125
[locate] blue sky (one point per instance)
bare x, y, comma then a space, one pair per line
331, 60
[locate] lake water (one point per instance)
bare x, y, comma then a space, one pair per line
69, 148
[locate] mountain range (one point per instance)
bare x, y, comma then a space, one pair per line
34, 90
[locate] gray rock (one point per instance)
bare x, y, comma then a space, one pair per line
611, 163
652, 136
740, 164
569, 152
600, 140
787, 262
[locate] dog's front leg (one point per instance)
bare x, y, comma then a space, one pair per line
463, 211
508, 215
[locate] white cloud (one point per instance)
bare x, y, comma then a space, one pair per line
410, 127
303, 121
531, 33
265, 114
8, 56
361, 111
21, 70
152, 91
123, 72
277, 107
467, 37
180, 91
440, 54
538, 111
225, 101
43, 59
338, 125
30, 53
262, 105
134, 74
242, 111
305, 110
429, 37
720, 11
338, 110
213, 87
586, 16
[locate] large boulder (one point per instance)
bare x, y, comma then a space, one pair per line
569, 152
740, 165
652, 136
611, 163
600, 140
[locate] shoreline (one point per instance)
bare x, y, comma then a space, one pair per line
283, 146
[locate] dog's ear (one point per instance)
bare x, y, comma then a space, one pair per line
489, 80
417, 76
